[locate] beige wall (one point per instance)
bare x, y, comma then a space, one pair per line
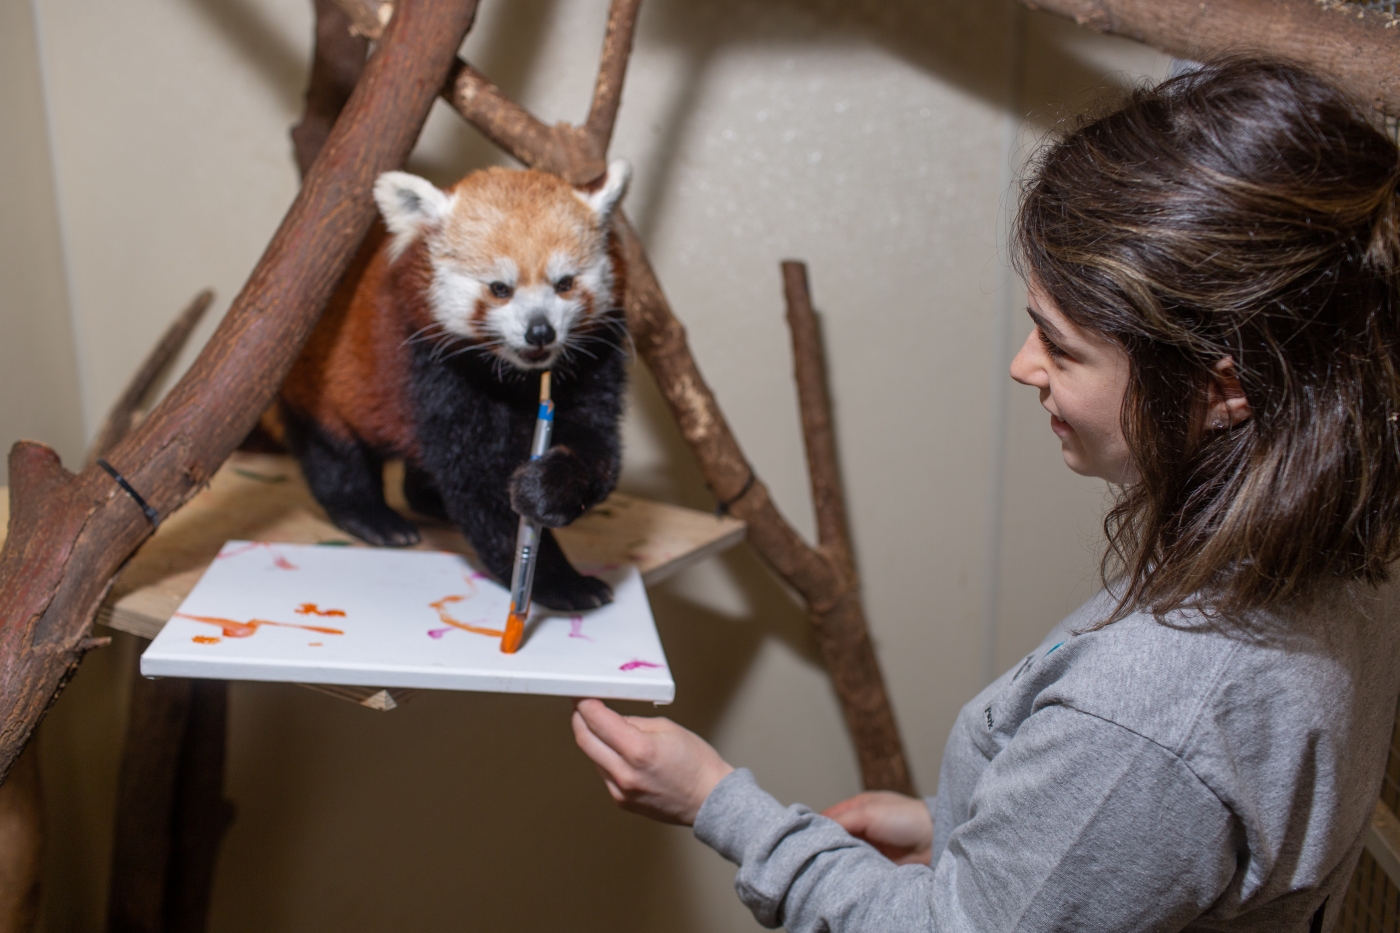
39, 383
877, 141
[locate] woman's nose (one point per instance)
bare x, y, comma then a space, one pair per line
1027, 368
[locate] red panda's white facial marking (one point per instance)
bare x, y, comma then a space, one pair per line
519, 259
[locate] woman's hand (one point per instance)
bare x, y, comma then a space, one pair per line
898, 826
651, 765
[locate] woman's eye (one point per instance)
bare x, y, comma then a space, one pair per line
1050, 346
564, 284
501, 289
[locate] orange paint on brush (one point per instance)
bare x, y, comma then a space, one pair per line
441, 607
234, 629
206, 640
311, 609
515, 631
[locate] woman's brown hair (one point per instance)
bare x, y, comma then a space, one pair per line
1247, 210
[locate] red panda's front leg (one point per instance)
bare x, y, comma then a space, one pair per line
346, 478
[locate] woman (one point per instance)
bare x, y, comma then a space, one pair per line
1213, 276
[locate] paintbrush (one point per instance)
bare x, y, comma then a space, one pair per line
527, 538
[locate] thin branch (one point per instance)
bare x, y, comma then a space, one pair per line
513, 128
122, 418
612, 69
1355, 47
824, 576
818, 432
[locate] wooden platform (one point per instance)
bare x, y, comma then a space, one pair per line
262, 497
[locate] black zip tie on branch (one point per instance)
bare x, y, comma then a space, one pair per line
722, 507
152, 515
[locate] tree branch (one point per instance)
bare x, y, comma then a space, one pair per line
69, 534
818, 433
557, 149
1360, 49
367, 18
612, 69
336, 66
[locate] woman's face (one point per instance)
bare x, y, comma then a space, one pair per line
1082, 379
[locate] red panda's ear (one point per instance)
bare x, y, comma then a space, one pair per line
409, 205
603, 195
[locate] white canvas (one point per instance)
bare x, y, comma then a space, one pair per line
389, 618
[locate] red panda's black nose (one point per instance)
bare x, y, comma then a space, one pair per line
539, 333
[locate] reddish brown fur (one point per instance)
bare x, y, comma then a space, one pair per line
351, 377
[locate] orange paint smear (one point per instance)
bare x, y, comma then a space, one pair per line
234, 629
441, 607
311, 609
206, 640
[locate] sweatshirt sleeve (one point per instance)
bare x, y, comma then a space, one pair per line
1078, 824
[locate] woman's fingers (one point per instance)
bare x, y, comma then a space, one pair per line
853, 814
609, 763
620, 735
899, 826
651, 765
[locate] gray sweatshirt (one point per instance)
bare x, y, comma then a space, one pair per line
1149, 775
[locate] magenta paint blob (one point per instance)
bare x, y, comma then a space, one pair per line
636, 663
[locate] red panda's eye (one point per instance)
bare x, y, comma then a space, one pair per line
564, 284
501, 289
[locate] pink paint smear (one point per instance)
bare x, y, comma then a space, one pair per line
576, 628
277, 559
634, 664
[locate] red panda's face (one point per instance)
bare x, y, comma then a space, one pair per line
520, 265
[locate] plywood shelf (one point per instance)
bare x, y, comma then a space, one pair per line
262, 497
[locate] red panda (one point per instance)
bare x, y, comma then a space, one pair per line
431, 351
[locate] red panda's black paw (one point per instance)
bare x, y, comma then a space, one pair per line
385, 528
553, 490
571, 595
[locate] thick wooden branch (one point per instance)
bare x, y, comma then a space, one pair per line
69, 534
1360, 49
137, 395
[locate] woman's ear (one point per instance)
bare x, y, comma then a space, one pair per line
1226, 404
